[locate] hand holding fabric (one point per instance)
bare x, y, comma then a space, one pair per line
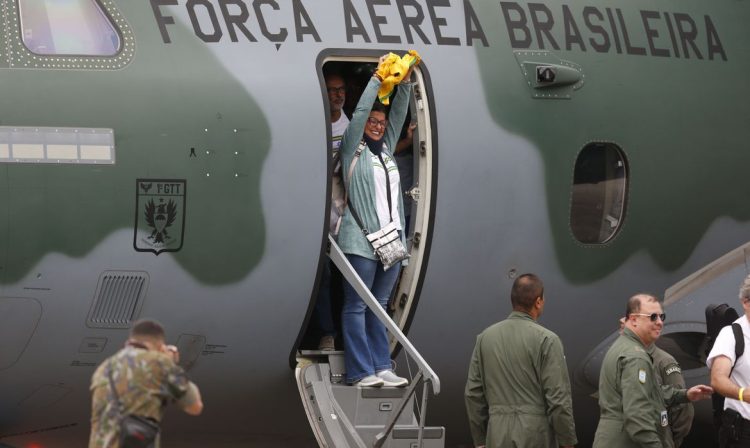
392, 69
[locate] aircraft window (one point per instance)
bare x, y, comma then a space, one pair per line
57, 145
599, 192
67, 27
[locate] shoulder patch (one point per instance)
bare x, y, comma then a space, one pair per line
673, 369
642, 376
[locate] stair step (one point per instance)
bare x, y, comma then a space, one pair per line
351, 416
373, 405
403, 436
320, 353
430, 432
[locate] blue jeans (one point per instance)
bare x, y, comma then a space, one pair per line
323, 303
365, 339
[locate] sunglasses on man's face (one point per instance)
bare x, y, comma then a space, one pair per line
653, 316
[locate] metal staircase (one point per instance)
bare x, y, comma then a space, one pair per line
344, 416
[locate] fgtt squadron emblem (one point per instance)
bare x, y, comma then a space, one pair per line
159, 215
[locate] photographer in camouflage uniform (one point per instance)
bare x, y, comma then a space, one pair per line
147, 377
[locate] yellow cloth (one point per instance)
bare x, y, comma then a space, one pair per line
392, 71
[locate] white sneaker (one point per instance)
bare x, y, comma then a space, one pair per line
390, 379
370, 381
327, 344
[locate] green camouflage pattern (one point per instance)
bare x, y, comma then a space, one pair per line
145, 381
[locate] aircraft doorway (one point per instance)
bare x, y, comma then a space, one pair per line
341, 415
415, 157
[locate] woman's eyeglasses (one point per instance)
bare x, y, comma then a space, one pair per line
653, 316
375, 122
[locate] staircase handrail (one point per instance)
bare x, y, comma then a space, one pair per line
339, 259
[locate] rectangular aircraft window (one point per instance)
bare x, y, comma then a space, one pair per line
57, 145
67, 27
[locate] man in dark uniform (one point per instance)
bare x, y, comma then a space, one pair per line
518, 391
146, 376
633, 404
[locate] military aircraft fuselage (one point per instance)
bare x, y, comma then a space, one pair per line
183, 176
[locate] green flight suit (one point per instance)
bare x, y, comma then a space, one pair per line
518, 391
680, 415
632, 405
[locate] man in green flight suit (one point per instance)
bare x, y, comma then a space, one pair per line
669, 372
633, 404
518, 391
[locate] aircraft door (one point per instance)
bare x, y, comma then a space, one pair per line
4, 197
348, 416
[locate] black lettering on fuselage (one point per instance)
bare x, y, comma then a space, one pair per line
687, 35
588, 12
542, 26
615, 33
237, 21
302, 23
380, 20
168, 188
572, 33
410, 22
161, 20
631, 49
278, 37
517, 24
672, 36
215, 36
713, 41
358, 28
438, 22
652, 33
473, 27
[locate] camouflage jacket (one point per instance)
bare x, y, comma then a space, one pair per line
145, 381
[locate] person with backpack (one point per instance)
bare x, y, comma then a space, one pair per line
730, 376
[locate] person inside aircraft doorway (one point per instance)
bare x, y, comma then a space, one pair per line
374, 199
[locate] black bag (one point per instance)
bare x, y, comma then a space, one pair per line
718, 317
138, 432
135, 431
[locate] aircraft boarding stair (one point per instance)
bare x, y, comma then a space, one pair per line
344, 416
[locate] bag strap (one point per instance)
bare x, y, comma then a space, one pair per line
360, 148
739, 344
387, 187
114, 389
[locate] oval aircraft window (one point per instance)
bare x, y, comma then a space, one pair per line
598, 199
67, 27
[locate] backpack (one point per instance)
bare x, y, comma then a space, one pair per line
718, 317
